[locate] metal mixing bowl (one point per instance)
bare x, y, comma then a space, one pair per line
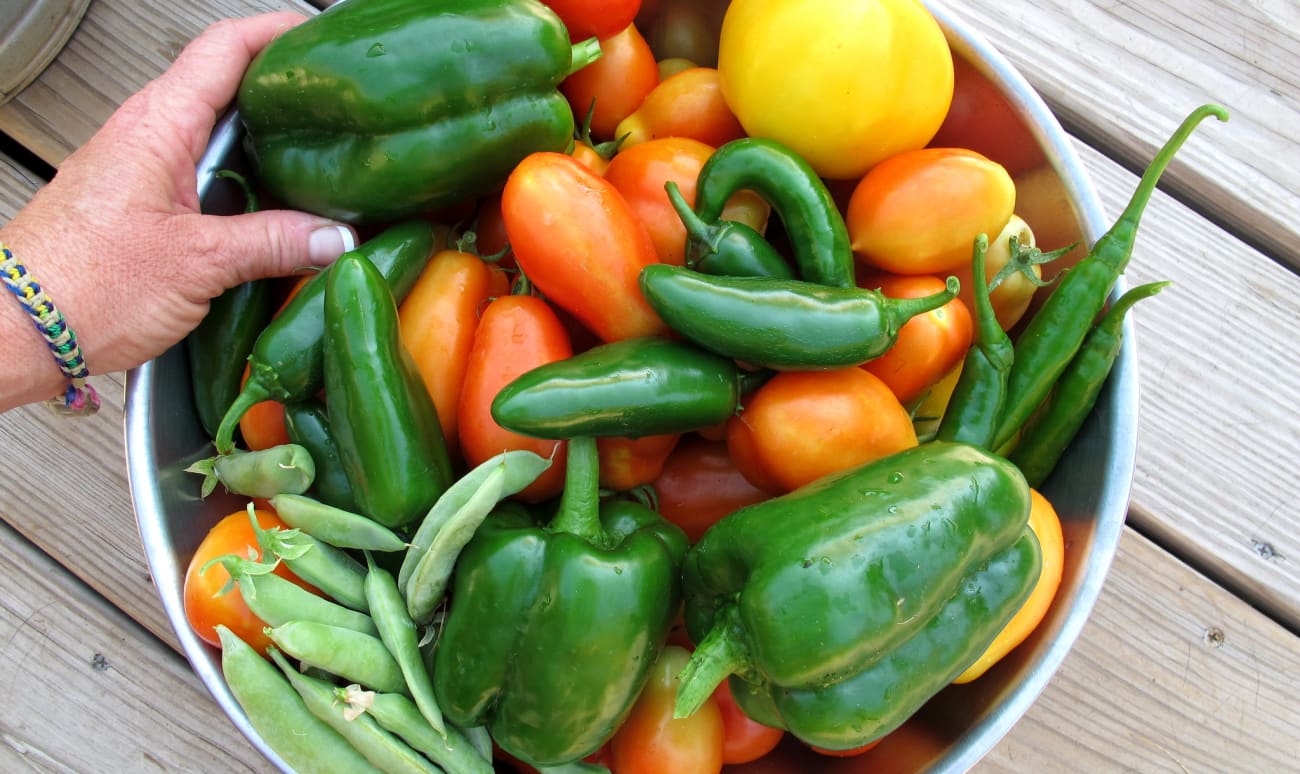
1090, 488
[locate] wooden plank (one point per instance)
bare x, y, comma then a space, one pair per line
1121, 75
86, 689
1171, 674
118, 48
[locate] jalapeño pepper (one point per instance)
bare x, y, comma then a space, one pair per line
287, 361
382, 109
389, 439
782, 324
552, 630
840, 608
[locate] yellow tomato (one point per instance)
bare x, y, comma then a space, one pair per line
844, 83
1046, 525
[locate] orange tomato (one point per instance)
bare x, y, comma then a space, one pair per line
615, 84
651, 740
262, 426
918, 212
627, 463
1012, 296
744, 454
514, 335
1046, 525
639, 173
807, 424
744, 739
700, 484
204, 606
437, 320
686, 104
929, 345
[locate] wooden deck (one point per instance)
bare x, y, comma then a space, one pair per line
1190, 661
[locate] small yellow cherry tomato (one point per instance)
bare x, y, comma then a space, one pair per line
844, 84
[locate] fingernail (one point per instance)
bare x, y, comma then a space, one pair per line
329, 242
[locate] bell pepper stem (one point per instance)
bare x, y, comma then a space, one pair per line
584, 53
579, 511
719, 655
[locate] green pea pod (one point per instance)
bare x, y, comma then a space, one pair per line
335, 526
308, 425
818, 236
851, 580
349, 654
288, 359
726, 247
454, 751
328, 568
1048, 434
629, 388
263, 473
388, 109
381, 748
389, 437
1058, 328
976, 404
280, 716
516, 469
276, 600
782, 324
221, 342
398, 632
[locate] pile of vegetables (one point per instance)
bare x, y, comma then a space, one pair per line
669, 408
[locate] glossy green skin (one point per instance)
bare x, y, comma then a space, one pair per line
781, 324
382, 109
219, 346
628, 389
288, 360
389, 438
550, 637
726, 247
308, 425
860, 595
818, 235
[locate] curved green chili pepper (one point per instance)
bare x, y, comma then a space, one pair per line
288, 360
389, 437
976, 404
726, 246
220, 344
782, 324
1075, 393
1057, 330
818, 236
629, 388
308, 425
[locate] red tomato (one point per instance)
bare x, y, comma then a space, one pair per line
615, 83
204, 609
982, 119
651, 740
687, 104
929, 345
700, 484
918, 212
594, 18
639, 173
577, 239
627, 463
807, 424
850, 753
745, 739
514, 335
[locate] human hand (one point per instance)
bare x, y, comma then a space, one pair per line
116, 238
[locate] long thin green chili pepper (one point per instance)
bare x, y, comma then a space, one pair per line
976, 403
1057, 330
1075, 393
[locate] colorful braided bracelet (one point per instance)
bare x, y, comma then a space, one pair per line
79, 397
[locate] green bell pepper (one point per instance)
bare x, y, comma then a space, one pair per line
377, 110
843, 606
552, 630
385, 425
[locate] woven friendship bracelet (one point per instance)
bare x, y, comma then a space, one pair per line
79, 397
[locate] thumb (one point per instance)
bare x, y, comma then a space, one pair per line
273, 243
